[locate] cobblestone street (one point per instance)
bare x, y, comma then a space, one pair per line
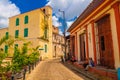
53, 70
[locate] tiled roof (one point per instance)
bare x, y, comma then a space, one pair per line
91, 7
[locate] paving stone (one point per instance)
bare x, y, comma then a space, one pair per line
53, 70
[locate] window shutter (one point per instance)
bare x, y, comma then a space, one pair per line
6, 48
26, 32
45, 48
7, 35
26, 20
45, 33
16, 33
17, 21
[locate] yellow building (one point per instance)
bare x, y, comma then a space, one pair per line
58, 43
34, 26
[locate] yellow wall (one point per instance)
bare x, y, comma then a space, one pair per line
35, 29
3, 33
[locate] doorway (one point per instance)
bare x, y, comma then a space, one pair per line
105, 42
82, 47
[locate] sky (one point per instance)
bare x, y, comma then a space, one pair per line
72, 9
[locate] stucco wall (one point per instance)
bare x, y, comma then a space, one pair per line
114, 38
35, 29
90, 41
2, 34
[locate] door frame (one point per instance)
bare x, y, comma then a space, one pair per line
98, 38
82, 47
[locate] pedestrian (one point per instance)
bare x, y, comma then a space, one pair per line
90, 64
73, 59
85, 63
63, 57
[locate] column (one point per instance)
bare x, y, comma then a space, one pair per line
87, 52
93, 38
76, 46
117, 18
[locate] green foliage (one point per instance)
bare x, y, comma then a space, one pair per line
34, 56
45, 29
3, 40
7, 40
8, 67
2, 56
20, 58
16, 60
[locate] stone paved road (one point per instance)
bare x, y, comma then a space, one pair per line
52, 70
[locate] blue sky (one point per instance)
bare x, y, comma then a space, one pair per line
72, 8
28, 5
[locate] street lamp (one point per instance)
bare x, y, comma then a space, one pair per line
64, 32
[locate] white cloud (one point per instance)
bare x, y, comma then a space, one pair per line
72, 8
7, 9
69, 23
55, 21
60, 32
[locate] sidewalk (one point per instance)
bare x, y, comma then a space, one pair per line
88, 74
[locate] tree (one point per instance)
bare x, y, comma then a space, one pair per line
7, 40
34, 56
20, 58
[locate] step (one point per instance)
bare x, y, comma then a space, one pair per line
81, 71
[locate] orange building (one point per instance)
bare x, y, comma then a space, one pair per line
96, 34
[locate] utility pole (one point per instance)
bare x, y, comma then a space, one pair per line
64, 32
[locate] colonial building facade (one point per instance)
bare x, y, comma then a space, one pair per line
58, 43
34, 26
96, 34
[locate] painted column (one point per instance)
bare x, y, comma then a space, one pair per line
94, 44
87, 42
117, 17
76, 46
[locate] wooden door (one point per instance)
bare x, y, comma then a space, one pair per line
73, 45
82, 48
105, 42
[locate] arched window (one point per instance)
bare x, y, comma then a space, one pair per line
17, 21
26, 20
